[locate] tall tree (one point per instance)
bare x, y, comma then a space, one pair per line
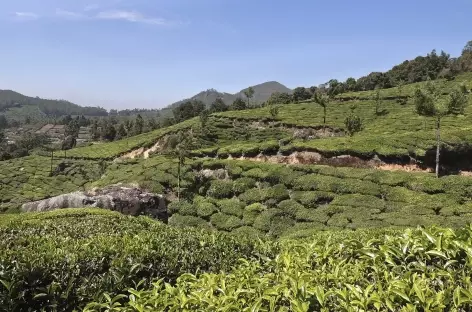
94, 130
72, 128
218, 106
138, 125
378, 102
120, 132
238, 104
430, 103
68, 143
249, 93
179, 145
323, 100
351, 84
301, 94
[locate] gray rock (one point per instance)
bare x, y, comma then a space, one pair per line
127, 200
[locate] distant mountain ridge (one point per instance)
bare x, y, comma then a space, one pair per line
262, 92
18, 106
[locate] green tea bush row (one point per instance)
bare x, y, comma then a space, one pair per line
382, 270
64, 259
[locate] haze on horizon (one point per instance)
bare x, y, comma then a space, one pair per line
148, 54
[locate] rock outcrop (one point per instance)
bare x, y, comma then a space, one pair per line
127, 200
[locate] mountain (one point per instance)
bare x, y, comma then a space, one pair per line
261, 93
17, 106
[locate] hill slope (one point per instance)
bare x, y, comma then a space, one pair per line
17, 106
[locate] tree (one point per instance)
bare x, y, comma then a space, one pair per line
351, 84
94, 131
138, 125
68, 143
279, 98
108, 131
378, 102
72, 128
238, 104
274, 110
249, 93
467, 48
179, 145
353, 122
402, 100
204, 118
152, 124
2, 138
188, 110
121, 132
430, 103
218, 106
301, 94
322, 100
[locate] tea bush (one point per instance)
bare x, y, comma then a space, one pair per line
381, 270
64, 259
220, 189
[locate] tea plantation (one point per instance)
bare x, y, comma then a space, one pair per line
249, 235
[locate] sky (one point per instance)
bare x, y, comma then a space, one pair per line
151, 53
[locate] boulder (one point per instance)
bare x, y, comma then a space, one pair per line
127, 200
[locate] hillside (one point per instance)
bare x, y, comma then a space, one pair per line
16, 106
277, 208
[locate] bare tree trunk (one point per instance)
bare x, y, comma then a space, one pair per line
438, 142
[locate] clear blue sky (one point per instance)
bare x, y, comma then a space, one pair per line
150, 53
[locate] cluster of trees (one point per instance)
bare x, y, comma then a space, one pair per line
422, 68
110, 129
194, 108
133, 112
22, 146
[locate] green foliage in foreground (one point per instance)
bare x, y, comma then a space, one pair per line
61, 260
412, 270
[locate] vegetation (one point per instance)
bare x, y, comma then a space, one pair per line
429, 102
64, 259
364, 270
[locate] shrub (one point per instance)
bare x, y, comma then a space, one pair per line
280, 224
174, 207
241, 185
256, 173
290, 207
185, 208
247, 231
179, 220
205, 209
278, 193
262, 221
225, 222
232, 207
234, 171
254, 195
311, 199
220, 189
103, 252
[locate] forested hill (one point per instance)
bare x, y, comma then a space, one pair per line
262, 92
14, 100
